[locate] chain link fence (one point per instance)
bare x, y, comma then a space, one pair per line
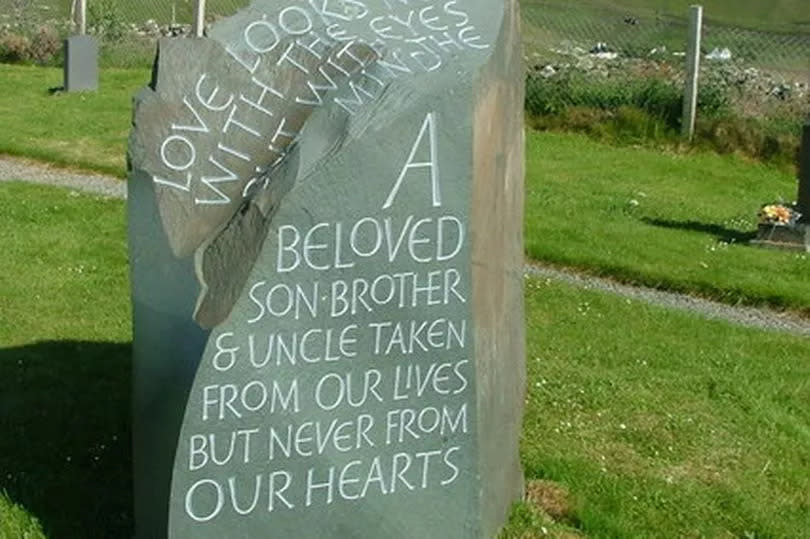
589, 61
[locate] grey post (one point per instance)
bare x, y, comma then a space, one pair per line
81, 16
692, 71
199, 18
804, 174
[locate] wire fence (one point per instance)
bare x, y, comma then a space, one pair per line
590, 56
578, 54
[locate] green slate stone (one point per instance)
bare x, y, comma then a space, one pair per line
325, 231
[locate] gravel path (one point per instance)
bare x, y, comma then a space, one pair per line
16, 169
33, 172
745, 316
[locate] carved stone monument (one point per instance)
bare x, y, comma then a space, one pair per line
325, 213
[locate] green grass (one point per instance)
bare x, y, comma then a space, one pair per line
741, 12
63, 252
669, 426
748, 13
579, 210
770, 141
15, 522
779, 15
678, 222
64, 364
87, 130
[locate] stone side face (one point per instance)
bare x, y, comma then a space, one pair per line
497, 251
269, 162
167, 345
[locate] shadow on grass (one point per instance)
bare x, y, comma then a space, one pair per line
722, 233
65, 451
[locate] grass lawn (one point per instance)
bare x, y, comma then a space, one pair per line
781, 14
672, 221
752, 13
63, 273
87, 130
788, 15
679, 222
669, 425
64, 364
16, 522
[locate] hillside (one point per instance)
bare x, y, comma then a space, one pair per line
783, 15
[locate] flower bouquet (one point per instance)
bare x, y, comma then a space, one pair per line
779, 215
779, 227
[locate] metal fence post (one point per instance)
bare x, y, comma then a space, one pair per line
199, 18
692, 71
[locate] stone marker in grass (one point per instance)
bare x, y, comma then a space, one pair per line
81, 64
803, 204
794, 234
325, 234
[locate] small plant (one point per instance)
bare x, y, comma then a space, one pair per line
714, 98
105, 19
14, 48
46, 45
765, 140
656, 98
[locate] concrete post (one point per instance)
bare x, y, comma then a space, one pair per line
199, 18
692, 71
81, 16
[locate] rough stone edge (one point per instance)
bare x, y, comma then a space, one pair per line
496, 231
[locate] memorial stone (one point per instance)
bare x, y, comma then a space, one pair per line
794, 235
325, 221
803, 204
81, 64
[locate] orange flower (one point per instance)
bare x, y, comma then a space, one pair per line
775, 213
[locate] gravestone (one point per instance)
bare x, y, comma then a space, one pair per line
803, 202
325, 222
81, 64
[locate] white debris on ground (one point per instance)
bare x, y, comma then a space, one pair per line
602, 52
720, 55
